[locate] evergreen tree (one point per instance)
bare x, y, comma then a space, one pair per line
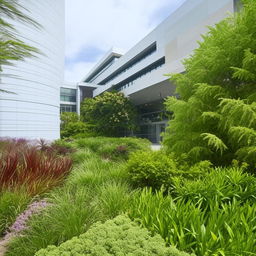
215, 117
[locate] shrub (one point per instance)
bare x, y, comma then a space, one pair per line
76, 129
119, 236
156, 169
152, 169
225, 229
12, 203
215, 115
111, 114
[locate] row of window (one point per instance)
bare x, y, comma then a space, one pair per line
140, 57
103, 69
131, 80
67, 108
67, 94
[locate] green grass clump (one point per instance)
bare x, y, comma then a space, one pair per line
12, 203
95, 190
222, 185
119, 236
70, 214
113, 148
223, 229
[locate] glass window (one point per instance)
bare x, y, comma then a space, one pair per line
67, 108
67, 94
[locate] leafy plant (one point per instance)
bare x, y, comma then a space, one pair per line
119, 236
157, 169
11, 47
223, 229
111, 114
215, 116
25, 167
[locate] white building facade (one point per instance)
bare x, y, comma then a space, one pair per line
140, 73
33, 110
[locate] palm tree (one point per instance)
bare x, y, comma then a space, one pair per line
11, 47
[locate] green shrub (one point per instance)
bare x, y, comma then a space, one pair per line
74, 129
153, 168
119, 236
156, 169
12, 203
215, 115
113, 148
224, 230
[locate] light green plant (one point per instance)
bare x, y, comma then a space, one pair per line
222, 230
12, 203
119, 236
215, 116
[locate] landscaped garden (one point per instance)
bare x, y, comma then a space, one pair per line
90, 194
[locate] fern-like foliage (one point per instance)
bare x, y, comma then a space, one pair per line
214, 142
215, 116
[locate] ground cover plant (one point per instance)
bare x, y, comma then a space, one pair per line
119, 236
113, 148
215, 115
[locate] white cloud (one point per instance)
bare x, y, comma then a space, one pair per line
104, 24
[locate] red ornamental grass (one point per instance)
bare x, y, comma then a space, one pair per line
35, 170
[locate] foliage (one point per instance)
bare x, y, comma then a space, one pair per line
12, 203
69, 214
113, 148
222, 185
223, 230
157, 169
215, 117
152, 169
119, 236
76, 129
111, 114
11, 47
68, 117
72, 126
95, 190
24, 166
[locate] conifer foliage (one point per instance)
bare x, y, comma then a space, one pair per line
215, 116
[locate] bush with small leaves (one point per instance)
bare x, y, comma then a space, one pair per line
119, 236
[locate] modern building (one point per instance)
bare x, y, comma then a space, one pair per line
33, 110
140, 73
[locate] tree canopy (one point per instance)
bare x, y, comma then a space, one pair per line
111, 113
215, 116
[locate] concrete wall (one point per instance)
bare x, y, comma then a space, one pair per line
33, 111
176, 38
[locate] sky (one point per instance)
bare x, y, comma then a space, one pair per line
93, 27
